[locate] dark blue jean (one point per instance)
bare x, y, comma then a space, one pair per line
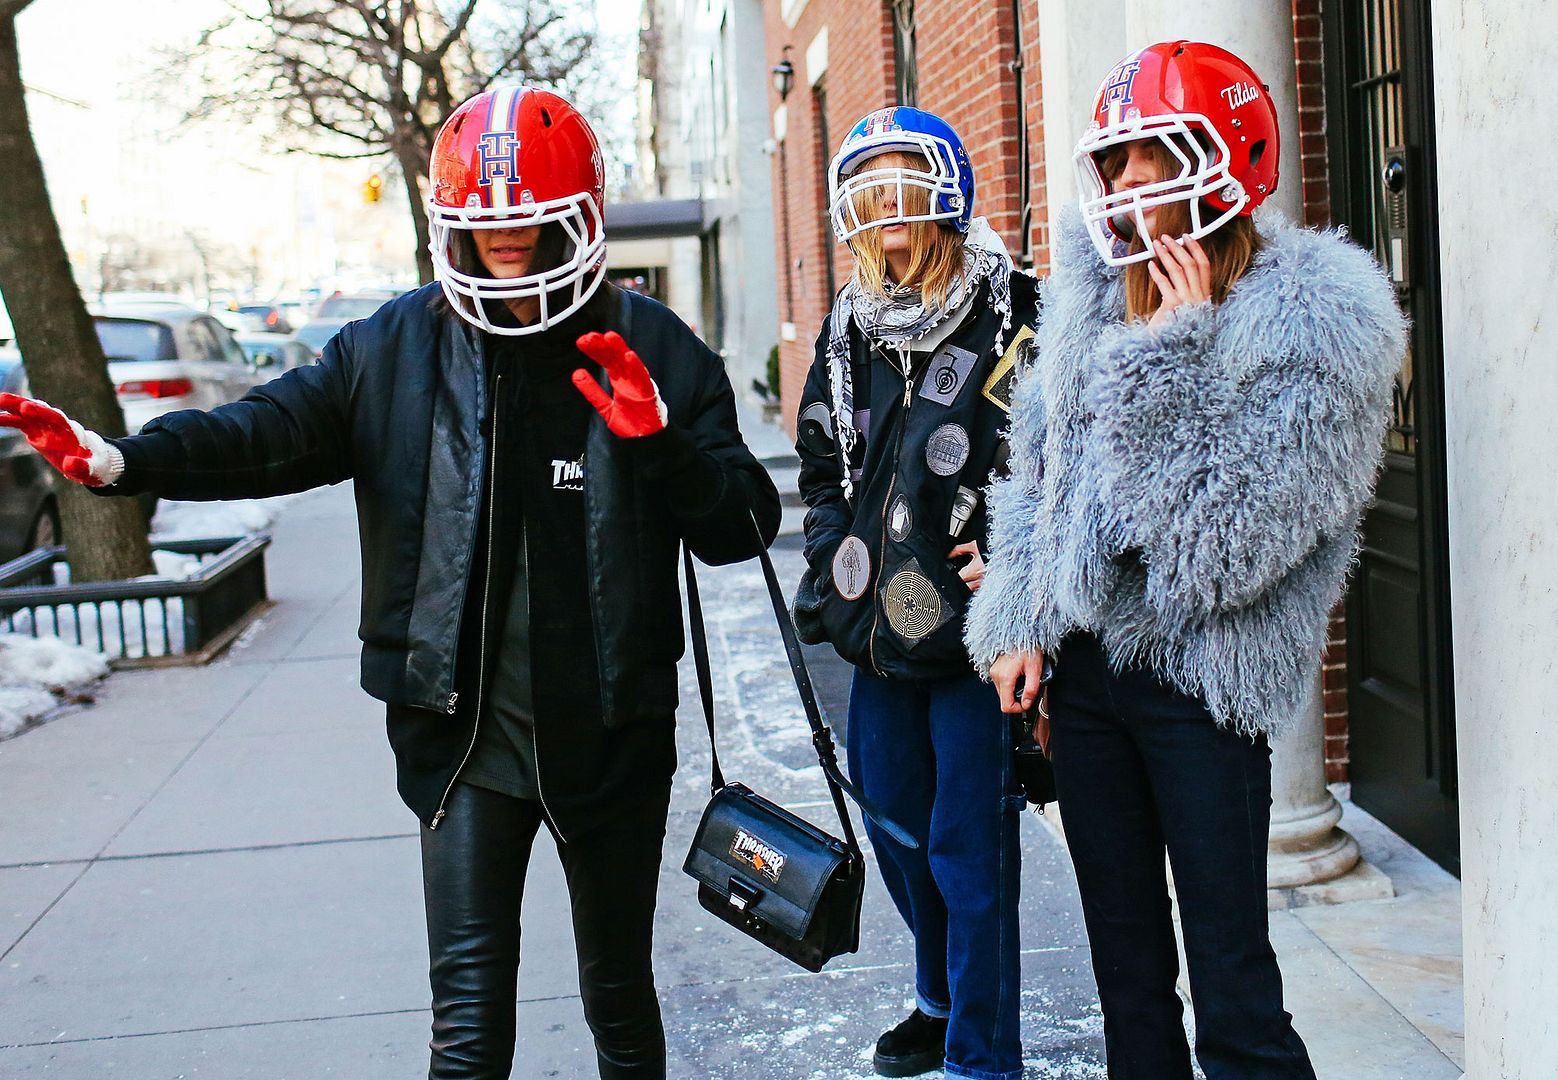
1142, 769
936, 757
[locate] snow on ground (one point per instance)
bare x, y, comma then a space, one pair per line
38, 675
198, 520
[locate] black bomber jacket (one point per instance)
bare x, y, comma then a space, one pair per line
879, 584
395, 404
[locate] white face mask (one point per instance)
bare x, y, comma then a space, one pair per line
941, 179
561, 290
1115, 217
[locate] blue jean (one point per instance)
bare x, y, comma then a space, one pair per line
936, 757
1142, 769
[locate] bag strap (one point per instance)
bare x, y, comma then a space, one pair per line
821, 736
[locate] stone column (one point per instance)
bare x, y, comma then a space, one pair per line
1306, 848
1497, 221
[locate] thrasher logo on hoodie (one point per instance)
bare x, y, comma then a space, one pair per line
567, 475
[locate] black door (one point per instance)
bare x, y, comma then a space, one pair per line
1381, 144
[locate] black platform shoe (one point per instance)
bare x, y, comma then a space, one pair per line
916, 1046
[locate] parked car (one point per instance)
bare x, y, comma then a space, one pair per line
272, 318
338, 310
271, 354
29, 496
239, 322
316, 332
163, 358
358, 305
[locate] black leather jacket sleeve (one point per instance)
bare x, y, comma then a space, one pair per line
289, 435
828, 513
713, 486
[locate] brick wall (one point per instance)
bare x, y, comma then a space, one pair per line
1317, 212
966, 51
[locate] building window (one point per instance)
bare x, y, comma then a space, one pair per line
905, 66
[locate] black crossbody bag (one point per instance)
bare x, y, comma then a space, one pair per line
772, 875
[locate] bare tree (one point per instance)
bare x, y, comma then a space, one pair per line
65, 365
365, 78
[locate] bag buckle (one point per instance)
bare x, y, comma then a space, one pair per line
742, 895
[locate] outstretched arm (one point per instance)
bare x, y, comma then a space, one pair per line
80, 455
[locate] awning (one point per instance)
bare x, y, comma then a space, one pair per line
656, 219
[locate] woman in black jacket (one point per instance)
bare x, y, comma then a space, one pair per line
464, 417
898, 432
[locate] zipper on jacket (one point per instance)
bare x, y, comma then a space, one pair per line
535, 721
906, 366
486, 597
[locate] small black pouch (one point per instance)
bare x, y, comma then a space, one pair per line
1034, 771
774, 876
1033, 768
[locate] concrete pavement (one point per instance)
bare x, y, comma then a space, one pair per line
208, 874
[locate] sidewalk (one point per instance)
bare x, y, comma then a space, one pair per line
208, 874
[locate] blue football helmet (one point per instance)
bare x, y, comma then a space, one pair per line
949, 178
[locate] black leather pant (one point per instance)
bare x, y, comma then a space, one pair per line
473, 873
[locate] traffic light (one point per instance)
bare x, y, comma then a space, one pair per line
372, 188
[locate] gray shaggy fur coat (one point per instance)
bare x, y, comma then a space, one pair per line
1191, 492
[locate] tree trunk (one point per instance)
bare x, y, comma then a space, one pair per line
412, 163
65, 365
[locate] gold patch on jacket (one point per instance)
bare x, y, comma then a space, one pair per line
1003, 377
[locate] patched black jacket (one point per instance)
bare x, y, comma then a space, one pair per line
395, 404
879, 585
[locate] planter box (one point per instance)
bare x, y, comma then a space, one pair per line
145, 622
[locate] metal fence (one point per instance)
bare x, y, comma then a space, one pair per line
146, 621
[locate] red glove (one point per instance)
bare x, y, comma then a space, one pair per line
634, 407
83, 456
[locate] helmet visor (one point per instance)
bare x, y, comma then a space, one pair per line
852, 173
1115, 217
567, 264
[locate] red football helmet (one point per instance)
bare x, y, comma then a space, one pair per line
507, 159
1215, 116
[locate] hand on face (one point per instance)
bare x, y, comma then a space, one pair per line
1185, 276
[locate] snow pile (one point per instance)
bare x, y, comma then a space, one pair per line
202, 520
39, 675
130, 628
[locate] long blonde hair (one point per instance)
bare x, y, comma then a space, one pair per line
1231, 249
935, 250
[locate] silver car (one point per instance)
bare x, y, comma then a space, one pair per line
163, 358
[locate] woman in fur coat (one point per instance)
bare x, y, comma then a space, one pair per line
1191, 453
899, 428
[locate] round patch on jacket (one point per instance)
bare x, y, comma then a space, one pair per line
913, 604
947, 450
851, 568
900, 519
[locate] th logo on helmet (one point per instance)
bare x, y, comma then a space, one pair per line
1117, 87
499, 151
879, 122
